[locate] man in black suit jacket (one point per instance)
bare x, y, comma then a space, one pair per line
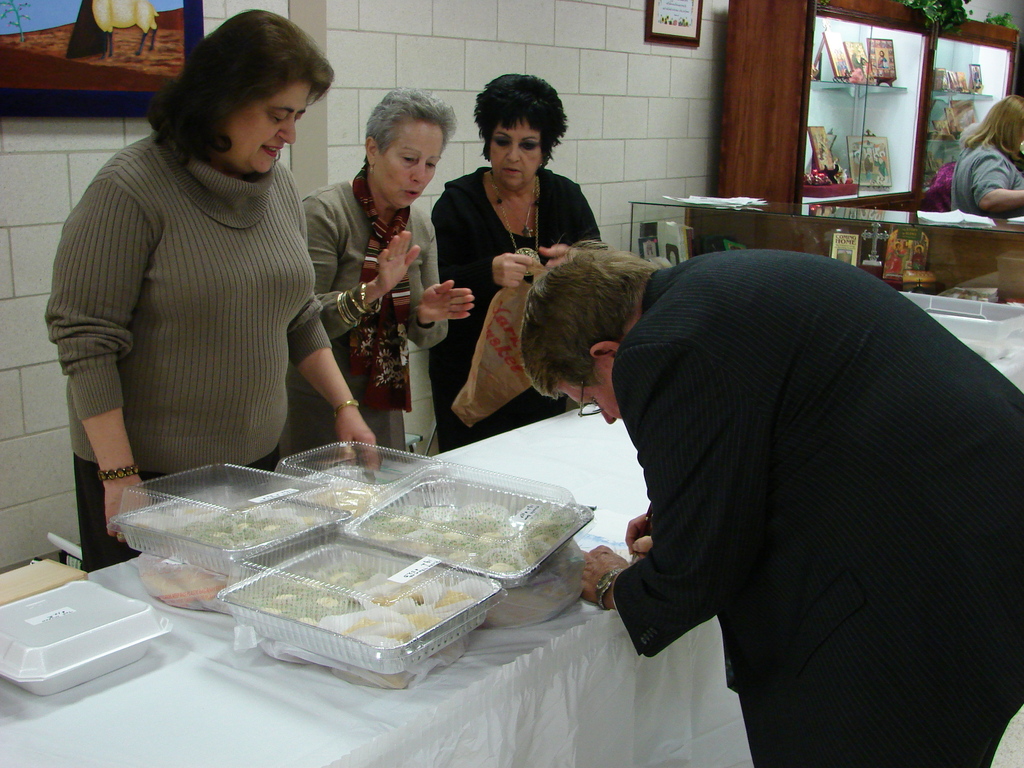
831, 473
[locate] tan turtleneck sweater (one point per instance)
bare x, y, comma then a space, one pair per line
180, 294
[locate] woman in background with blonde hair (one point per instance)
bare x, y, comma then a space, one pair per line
989, 175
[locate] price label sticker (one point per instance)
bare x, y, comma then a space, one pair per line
526, 514
273, 496
35, 620
418, 568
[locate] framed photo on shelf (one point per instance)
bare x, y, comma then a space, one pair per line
961, 83
845, 247
869, 161
858, 57
837, 55
821, 148
674, 22
59, 63
882, 60
977, 86
939, 79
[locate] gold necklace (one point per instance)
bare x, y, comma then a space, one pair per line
534, 252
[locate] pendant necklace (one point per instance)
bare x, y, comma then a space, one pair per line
533, 253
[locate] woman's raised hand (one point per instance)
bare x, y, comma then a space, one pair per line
392, 264
444, 302
509, 269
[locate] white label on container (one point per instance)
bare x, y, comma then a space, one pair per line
51, 615
421, 566
275, 495
525, 514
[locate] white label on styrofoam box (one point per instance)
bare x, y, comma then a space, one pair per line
36, 620
275, 495
525, 514
421, 566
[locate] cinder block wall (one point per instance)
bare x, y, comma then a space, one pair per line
643, 122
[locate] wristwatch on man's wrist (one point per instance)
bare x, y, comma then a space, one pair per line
603, 585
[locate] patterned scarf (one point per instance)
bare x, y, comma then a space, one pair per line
378, 344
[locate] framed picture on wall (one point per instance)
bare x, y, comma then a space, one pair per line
76, 58
675, 22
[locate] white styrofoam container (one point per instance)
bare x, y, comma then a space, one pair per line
75, 633
974, 320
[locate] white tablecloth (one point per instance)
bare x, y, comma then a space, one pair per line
569, 692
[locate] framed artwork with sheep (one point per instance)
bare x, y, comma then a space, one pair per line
91, 58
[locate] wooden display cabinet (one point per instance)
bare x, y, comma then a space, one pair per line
781, 80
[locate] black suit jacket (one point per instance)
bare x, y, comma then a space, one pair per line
841, 482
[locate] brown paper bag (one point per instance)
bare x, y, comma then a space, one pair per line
496, 374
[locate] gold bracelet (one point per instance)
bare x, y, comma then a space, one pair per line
346, 404
117, 474
361, 304
345, 309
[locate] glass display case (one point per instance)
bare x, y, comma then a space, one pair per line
956, 255
864, 93
967, 79
837, 100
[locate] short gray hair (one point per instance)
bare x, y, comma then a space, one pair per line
404, 104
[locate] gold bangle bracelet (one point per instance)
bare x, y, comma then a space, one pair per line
346, 404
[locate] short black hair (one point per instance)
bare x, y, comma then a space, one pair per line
511, 99
249, 57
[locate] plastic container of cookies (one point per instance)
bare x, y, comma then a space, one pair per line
217, 516
354, 474
372, 609
495, 525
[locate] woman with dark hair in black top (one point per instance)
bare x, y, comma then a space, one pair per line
492, 226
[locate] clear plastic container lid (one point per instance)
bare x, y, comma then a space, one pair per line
359, 462
500, 526
373, 609
216, 516
226, 486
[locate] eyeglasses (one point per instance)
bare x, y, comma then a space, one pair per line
588, 409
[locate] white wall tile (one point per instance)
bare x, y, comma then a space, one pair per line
688, 157
625, 31
559, 66
214, 10
343, 126
12, 421
35, 134
564, 159
33, 189
234, 7
603, 72
690, 78
593, 194
649, 75
32, 252
25, 526
468, 19
342, 14
625, 117
526, 21
344, 162
23, 332
488, 60
362, 59
667, 118
615, 199
44, 397
473, 157
400, 16
585, 115
6, 268
599, 161
580, 25
705, 118
35, 466
462, 102
645, 158
655, 189
431, 62
135, 129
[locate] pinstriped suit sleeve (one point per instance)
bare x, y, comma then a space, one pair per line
705, 466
